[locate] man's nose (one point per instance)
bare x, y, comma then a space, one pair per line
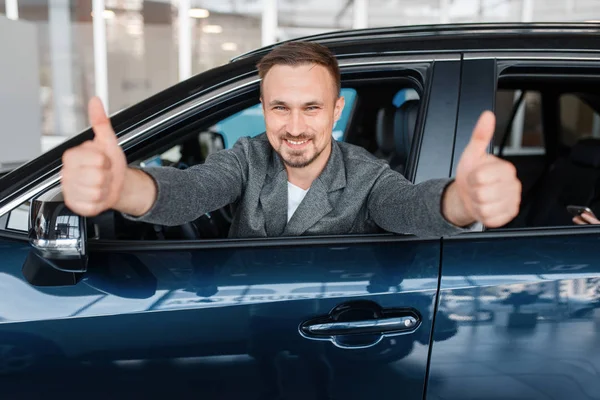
296, 125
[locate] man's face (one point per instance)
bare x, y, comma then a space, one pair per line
300, 108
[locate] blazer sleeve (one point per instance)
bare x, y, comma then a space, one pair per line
185, 195
397, 205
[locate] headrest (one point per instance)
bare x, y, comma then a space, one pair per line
586, 152
405, 123
385, 129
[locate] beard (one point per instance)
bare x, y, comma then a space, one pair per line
295, 158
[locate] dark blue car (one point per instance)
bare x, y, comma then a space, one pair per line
109, 308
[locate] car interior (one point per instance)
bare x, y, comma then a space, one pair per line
558, 155
383, 120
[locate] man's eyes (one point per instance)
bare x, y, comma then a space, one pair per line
309, 108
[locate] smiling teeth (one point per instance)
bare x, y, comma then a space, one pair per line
292, 142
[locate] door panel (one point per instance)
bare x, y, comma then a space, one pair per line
527, 315
221, 323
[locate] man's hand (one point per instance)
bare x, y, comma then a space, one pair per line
586, 219
486, 188
93, 173
95, 176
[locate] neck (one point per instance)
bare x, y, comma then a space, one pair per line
304, 177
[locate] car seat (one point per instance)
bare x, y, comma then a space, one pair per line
395, 128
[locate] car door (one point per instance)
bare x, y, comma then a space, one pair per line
301, 317
525, 298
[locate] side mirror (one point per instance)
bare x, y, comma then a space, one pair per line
57, 234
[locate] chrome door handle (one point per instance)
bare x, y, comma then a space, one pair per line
350, 320
396, 324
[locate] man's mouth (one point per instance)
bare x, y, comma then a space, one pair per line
296, 144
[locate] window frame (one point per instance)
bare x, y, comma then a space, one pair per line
153, 131
491, 66
517, 125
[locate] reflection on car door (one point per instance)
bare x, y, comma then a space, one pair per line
225, 323
526, 308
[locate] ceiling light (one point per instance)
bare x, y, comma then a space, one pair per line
229, 46
107, 14
212, 29
199, 13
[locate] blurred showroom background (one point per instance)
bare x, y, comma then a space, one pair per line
131, 49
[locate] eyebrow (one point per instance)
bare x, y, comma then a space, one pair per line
307, 104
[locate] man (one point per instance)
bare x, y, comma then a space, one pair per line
294, 180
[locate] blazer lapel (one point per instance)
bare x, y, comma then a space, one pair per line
313, 207
316, 203
273, 198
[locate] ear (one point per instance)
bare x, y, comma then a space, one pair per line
339, 107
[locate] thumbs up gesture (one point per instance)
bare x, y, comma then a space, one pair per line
93, 173
486, 188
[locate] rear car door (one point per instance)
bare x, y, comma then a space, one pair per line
525, 297
302, 317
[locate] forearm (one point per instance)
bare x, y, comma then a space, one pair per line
184, 195
170, 196
401, 207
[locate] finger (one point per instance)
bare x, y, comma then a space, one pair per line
91, 177
85, 155
497, 195
84, 209
506, 205
498, 221
482, 136
103, 131
504, 210
498, 214
502, 215
492, 171
579, 221
495, 192
91, 195
587, 217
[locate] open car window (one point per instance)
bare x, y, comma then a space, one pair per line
379, 117
550, 131
369, 119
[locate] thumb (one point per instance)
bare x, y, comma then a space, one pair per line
104, 135
482, 136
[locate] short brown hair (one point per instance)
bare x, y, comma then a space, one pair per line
298, 53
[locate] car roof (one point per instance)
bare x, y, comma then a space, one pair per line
455, 37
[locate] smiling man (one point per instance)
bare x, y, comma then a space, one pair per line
294, 179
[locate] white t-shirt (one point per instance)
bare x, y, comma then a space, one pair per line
295, 197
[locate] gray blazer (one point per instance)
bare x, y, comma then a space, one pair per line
355, 193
